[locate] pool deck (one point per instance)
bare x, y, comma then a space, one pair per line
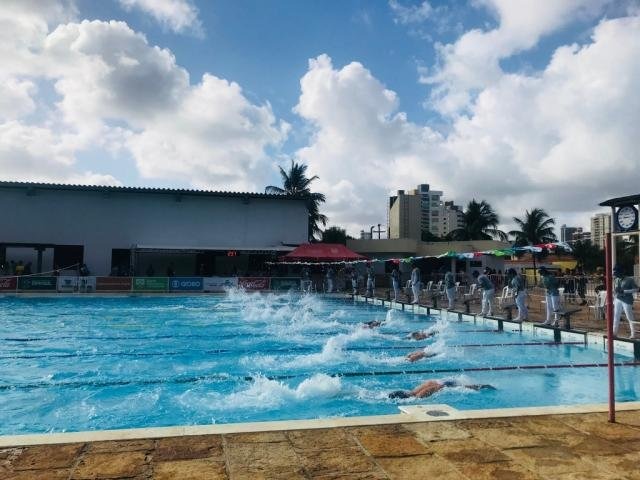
582, 446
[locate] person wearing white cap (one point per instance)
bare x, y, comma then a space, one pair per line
623, 289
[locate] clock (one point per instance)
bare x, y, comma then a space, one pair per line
626, 218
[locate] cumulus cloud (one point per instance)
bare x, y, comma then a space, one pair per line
118, 92
180, 16
473, 61
563, 139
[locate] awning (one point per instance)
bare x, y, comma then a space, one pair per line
322, 252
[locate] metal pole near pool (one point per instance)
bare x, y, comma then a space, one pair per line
609, 317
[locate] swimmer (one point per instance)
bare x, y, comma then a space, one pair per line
430, 387
420, 354
421, 335
372, 324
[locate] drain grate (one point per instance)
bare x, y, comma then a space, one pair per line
437, 413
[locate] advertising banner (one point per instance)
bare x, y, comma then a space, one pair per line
113, 284
87, 284
37, 283
67, 284
254, 283
150, 284
219, 284
8, 283
191, 284
285, 283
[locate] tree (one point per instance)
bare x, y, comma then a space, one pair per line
335, 235
427, 236
480, 222
295, 182
588, 255
536, 227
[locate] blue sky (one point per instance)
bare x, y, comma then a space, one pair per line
519, 102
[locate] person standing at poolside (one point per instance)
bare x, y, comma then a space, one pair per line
395, 282
552, 297
516, 283
623, 289
430, 387
488, 292
371, 286
330, 277
416, 283
450, 285
354, 281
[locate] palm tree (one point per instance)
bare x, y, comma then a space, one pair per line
295, 182
535, 227
480, 222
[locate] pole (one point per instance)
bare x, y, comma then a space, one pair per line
609, 317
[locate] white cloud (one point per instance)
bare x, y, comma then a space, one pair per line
473, 61
37, 154
180, 16
408, 14
564, 139
121, 94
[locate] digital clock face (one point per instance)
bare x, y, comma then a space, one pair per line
627, 217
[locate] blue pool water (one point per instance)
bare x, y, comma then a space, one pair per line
87, 363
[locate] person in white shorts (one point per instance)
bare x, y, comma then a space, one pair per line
623, 290
488, 292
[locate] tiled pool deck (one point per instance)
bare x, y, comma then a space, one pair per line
554, 447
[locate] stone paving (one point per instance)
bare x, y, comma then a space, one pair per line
558, 447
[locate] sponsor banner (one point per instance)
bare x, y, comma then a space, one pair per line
285, 283
113, 284
8, 283
37, 283
67, 284
87, 284
219, 284
150, 284
254, 283
192, 284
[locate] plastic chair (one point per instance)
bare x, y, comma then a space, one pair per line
472, 291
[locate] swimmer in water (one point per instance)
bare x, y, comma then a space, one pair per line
421, 335
430, 387
372, 324
420, 354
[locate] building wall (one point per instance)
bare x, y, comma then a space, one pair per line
104, 221
600, 225
404, 216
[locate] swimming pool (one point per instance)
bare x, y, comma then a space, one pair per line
95, 363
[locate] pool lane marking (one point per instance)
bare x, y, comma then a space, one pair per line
208, 337
275, 350
248, 378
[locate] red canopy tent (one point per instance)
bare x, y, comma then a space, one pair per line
321, 252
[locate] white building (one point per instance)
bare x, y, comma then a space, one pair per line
419, 210
600, 226
123, 229
566, 233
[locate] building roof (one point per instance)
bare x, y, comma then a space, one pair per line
620, 201
117, 189
322, 252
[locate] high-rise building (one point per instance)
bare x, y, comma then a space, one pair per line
452, 218
419, 210
600, 226
430, 208
581, 235
566, 233
404, 216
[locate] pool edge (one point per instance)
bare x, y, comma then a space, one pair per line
408, 414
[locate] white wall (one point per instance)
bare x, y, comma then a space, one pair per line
103, 221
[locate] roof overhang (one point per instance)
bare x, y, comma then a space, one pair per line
621, 201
